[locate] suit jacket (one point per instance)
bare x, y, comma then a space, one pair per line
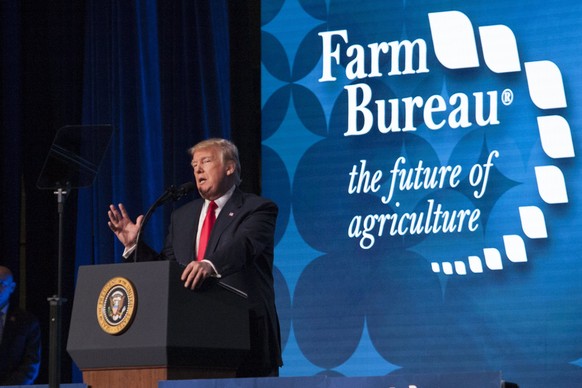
20, 348
241, 247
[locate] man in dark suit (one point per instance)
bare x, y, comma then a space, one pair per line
19, 338
238, 250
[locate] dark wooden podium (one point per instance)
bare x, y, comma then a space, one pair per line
174, 333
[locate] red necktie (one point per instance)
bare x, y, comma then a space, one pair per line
206, 228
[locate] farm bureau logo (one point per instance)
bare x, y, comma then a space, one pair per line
116, 305
455, 48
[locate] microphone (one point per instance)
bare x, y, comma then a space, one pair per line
172, 193
183, 190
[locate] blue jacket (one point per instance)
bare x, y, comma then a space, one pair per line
20, 348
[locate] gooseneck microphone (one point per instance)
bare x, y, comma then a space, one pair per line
172, 193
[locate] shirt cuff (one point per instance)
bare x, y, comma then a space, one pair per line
215, 274
128, 251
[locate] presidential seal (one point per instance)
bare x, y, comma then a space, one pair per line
116, 305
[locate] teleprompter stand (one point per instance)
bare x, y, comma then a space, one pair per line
72, 162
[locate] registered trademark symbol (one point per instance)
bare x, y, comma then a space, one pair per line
507, 97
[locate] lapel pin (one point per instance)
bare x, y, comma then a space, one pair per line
231, 214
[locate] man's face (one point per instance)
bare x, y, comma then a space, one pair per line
213, 176
6, 286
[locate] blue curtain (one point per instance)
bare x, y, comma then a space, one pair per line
159, 72
162, 73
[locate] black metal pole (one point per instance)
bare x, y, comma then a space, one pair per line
56, 302
54, 342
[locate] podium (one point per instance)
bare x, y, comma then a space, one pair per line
134, 324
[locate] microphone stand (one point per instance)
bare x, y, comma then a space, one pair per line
172, 193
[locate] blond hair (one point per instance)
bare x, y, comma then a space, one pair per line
228, 151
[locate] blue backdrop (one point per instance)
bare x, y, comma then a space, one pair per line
423, 155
